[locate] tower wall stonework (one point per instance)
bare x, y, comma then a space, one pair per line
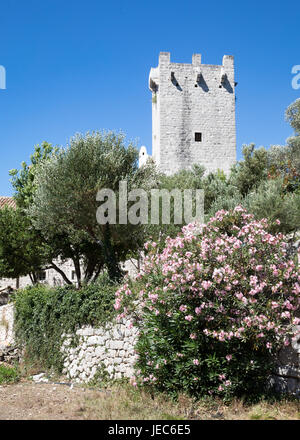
188, 99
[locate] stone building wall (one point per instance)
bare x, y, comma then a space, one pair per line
49, 276
188, 99
53, 278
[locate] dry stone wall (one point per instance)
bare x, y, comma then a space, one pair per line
287, 377
111, 350
8, 352
6, 325
107, 349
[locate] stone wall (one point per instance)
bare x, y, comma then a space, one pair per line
6, 325
287, 377
109, 348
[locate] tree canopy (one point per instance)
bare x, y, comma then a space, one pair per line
64, 201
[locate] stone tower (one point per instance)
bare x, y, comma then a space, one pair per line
193, 114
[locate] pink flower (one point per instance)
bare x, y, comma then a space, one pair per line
117, 304
195, 362
274, 305
229, 357
133, 381
206, 284
183, 308
188, 317
193, 336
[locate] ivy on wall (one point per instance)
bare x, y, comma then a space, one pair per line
43, 315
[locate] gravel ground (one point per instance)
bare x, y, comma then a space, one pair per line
31, 401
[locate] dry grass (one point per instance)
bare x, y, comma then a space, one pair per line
26, 400
124, 402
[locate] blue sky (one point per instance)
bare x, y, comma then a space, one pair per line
74, 66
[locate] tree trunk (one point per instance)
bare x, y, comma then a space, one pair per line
89, 270
76, 262
97, 273
113, 268
65, 278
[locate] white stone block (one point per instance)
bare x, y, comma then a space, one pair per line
94, 340
99, 351
87, 331
116, 344
110, 369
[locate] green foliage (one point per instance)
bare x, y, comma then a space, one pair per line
271, 202
293, 116
44, 315
21, 251
23, 180
65, 198
8, 374
101, 377
213, 307
182, 180
219, 193
250, 171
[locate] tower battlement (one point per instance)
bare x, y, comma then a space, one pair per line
193, 114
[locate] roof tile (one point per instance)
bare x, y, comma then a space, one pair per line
7, 201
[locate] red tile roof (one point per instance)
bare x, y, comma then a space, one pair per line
7, 201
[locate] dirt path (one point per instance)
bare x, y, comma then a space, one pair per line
31, 401
27, 400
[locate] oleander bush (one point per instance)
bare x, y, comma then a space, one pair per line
214, 307
44, 315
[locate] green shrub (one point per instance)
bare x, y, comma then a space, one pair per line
8, 374
214, 306
271, 202
44, 315
268, 200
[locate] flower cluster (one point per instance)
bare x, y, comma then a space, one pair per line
227, 287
